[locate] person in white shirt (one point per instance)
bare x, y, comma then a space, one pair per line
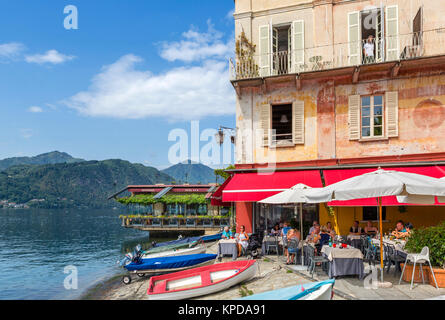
368, 50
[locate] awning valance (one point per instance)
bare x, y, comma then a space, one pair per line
337, 175
254, 187
216, 198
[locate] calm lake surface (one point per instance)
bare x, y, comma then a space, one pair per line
36, 245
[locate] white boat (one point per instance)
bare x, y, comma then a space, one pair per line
324, 293
201, 281
174, 253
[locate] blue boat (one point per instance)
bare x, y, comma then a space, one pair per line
169, 264
310, 291
213, 237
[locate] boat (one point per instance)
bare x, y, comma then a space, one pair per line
142, 267
175, 252
200, 281
213, 237
311, 291
171, 247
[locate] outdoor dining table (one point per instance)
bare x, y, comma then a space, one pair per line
399, 245
344, 261
228, 247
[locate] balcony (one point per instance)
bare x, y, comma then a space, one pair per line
341, 55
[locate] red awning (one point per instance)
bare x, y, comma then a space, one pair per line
216, 198
337, 175
254, 187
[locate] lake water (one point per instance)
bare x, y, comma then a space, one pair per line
36, 246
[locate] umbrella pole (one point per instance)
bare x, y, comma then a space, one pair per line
301, 232
381, 235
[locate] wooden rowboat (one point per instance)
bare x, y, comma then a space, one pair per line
200, 281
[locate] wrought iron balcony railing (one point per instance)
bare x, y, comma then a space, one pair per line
340, 55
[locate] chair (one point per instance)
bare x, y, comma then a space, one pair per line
292, 248
285, 243
324, 239
372, 252
392, 257
419, 258
270, 245
313, 260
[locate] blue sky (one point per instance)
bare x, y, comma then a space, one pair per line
116, 86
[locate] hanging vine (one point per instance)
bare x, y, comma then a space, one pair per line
246, 66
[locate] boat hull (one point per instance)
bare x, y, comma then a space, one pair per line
174, 253
242, 276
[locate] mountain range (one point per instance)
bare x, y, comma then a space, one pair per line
57, 180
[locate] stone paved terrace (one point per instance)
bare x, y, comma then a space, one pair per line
352, 288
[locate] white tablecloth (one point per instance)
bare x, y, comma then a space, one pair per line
399, 245
344, 253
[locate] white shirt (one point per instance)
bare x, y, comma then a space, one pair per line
369, 49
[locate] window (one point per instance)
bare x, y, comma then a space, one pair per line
281, 42
372, 116
282, 123
372, 213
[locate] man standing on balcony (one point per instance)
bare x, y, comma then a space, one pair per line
368, 50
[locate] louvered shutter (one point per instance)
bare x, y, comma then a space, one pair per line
354, 38
298, 122
297, 42
265, 120
392, 114
354, 117
392, 33
264, 47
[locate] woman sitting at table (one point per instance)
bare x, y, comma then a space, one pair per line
292, 234
243, 240
275, 230
370, 230
227, 233
407, 231
330, 230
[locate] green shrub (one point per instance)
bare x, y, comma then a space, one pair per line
431, 237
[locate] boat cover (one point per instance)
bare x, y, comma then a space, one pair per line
290, 293
213, 237
170, 262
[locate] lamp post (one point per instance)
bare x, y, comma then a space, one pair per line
221, 134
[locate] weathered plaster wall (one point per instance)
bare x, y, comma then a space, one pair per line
421, 118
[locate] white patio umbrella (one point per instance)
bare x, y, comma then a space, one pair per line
294, 195
378, 184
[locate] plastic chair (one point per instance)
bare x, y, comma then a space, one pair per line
273, 246
313, 260
419, 258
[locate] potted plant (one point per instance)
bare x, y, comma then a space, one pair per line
434, 239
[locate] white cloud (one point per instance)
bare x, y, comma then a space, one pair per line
35, 109
10, 50
51, 56
197, 46
230, 14
193, 91
26, 133
184, 93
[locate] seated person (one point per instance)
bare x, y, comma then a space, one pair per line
315, 236
275, 230
227, 233
325, 236
400, 230
355, 230
370, 230
243, 240
408, 229
292, 234
330, 230
314, 223
284, 232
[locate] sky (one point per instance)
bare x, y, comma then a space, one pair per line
118, 85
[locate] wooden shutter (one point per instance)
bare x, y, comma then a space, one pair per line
354, 38
392, 114
297, 41
392, 33
264, 44
354, 117
265, 119
298, 122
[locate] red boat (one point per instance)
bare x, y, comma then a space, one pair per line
200, 281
